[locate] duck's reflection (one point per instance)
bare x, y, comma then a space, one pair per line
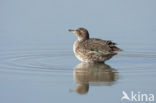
93, 74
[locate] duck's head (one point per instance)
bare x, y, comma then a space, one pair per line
81, 33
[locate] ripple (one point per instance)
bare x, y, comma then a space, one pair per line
62, 61
137, 54
36, 60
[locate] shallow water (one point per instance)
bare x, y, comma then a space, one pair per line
37, 64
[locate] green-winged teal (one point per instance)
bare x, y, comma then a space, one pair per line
92, 49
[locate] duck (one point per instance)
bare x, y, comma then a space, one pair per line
93, 50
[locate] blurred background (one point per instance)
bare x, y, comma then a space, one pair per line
44, 24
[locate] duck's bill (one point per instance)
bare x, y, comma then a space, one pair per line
73, 31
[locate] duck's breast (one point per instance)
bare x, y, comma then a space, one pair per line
75, 45
76, 51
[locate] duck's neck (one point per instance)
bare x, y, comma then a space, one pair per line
80, 39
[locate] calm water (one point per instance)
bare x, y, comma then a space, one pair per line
37, 64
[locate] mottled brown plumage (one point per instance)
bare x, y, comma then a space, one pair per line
92, 49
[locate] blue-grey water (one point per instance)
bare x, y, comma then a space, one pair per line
37, 64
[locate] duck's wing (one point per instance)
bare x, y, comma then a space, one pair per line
99, 46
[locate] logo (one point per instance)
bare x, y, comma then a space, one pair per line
137, 97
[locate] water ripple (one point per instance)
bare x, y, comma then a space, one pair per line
59, 61
136, 54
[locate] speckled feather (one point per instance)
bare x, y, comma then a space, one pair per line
101, 46
84, 50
